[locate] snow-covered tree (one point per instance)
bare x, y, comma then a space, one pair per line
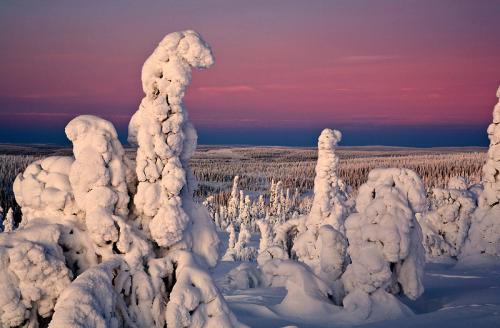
322, 244
209, 204
244, 252
385, 240
8, 222
484, 233
234, 203
445, 227
149, 264
329, 200
266, 235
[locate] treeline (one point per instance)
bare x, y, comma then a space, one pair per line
257, 167
215, 177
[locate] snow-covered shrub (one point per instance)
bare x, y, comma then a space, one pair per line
385, 239
484, 233
445, 227
244, 276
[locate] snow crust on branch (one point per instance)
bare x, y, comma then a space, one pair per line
385, 239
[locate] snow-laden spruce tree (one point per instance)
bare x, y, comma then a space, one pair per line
322, 245
234, 204
8, 221
147, 266
484, 233
446, 226
385, 241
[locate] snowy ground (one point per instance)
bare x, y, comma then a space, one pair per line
463, 295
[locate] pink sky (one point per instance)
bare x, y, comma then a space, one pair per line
283, 65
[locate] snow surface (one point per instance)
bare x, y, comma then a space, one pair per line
462, 294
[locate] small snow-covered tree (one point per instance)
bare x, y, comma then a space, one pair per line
244, 252
234, 203
445, 227
8, 223
385, 240
209, 204
484, 233
266, 235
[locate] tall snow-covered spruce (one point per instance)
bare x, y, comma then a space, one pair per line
150, 255
322, 245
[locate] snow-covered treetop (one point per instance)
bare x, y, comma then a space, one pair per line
457, 182
407, 181
329, 139
87, 130
165, 75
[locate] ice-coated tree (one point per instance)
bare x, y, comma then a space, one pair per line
385, 240
484, 233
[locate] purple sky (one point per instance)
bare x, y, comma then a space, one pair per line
412, 73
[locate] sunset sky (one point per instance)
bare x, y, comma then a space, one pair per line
402, 73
